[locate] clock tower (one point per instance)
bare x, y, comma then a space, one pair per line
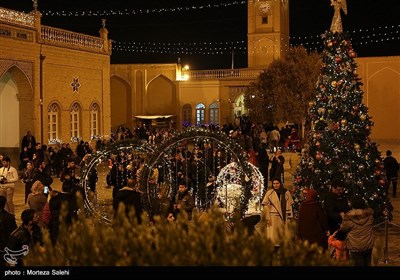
267, 31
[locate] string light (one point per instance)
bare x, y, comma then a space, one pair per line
129, 12
311, 43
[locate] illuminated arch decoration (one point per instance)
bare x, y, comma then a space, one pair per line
166, 151
230, 187
99, 202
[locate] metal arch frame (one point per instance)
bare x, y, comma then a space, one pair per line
200, 134
95, 161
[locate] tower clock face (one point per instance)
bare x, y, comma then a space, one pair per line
265, 7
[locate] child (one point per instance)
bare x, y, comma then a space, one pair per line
336, 242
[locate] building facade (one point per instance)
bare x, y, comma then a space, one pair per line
53, 82
61, 86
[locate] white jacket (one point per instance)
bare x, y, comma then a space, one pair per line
11, 174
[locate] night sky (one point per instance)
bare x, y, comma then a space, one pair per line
374, 26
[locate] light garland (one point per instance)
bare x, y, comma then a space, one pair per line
76, 139
129, 12
312, 43
54, 141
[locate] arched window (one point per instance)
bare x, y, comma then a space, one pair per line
52, 122
214, 113
94, 121
75, 122
200, 109
187, 115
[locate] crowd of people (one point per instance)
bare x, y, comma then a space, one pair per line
334, 224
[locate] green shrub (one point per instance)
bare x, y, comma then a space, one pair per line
204, 241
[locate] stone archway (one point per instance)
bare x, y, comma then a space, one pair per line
17, 110
121, 102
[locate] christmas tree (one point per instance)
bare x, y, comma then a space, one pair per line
338, 143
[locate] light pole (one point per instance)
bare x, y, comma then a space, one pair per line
181, 75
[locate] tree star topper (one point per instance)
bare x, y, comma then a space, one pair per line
336, 25
75, 85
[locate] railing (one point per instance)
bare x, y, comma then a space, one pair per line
244, 73
15, 17
386, 224
51, 35
61, 36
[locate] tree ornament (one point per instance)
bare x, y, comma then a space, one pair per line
321, 111
382, 182
344, 126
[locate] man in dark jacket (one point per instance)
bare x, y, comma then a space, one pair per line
56, 202
392, 167
23, 238
131, 198
7, 225
40, 173
335, 206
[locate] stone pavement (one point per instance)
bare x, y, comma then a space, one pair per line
387, 255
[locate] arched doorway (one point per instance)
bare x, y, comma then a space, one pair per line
121, 103
16, 111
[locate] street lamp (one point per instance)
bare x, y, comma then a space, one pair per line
181, 74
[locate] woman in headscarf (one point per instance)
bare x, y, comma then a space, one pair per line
312, 221
278, 211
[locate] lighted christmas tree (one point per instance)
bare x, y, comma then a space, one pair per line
339, 146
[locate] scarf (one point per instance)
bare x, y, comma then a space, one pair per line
281, 195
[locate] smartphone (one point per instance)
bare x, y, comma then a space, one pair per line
46, 190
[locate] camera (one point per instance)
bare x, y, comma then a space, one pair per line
3, 179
